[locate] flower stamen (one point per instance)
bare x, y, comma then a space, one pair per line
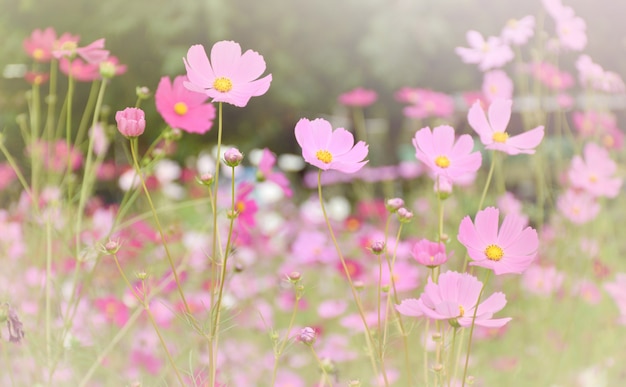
442, 162
181, 108
223, 84
494, 253
500, 137
324, 156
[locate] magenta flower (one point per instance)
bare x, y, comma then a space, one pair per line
131, 122
488, 54
595, 173
182, 108
328, 149
230, 76
518, 32
431, 254
493, 133
445, 157
358, 97
454, 298
511, 249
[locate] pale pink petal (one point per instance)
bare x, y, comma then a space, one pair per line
510, 230
410, 307
199, 70
443, 138
487, 224
478, 121
500, 114
527, 141
251, 65
526, 243
342, 141
475, 39
225, 56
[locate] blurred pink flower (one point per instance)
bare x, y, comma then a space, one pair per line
577, 206
428, 103
595, 173
328, 149
111, 67
551, 76
488, 54
588, 291
509, 205
93, 53
509, 249
590, 123
36, 78
493, 133
182, 108
79, 69
542, 281
266, 172
40, 44
430, 254
7, 175
114, 310
331, 308
593, 76
572, 33
438, 150
617, 291
229, 76
518, 31
497, 85
245, 205
405, 276
454, 298
358, 97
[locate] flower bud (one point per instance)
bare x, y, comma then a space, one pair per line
307, 335
141, 275
205, 179
107, 69
233, 157
143, 92
294, 276
111, 247
377, 247
131, 122
404, 215
394, 204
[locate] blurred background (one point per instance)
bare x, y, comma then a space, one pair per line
314, 49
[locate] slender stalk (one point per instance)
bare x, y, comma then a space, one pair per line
18, 172
281, 347
51, 100
35, 155
48, 324
469, 340
68, 123
349, 277
359, 123
319, 362
450, 355
91, 101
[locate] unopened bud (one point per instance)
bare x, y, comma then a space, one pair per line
404, 215
378, 247
394, 204
205, 179
294, 276
470, 380
233, 157
307, 335
438, 367
111, 247
354, 383
359, 285
142, 92
141, 275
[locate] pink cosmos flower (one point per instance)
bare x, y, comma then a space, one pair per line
111, 67
438, 150
328, 149
572, 33
93, 53
511, 249
428, 103
36, 78
430, 254
595, 173
493, 133
542, 281
578, 206
114, 310
592, 75
182, 108
266, 172
617, 290
591, 123
79, 69
358, 97
497, 85
454, 298
488, 54
230, 76
551, 76
40, 44
518, 32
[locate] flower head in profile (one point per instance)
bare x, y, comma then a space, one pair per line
93, 53
445, 157
454, 298
358, 97
328, 149
431, 254
266, 172
229, 76
492, 131
182, 108
509, 249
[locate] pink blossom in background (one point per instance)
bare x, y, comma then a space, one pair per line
428, 103
542, 280
488, 54
617, 291
469, 97
593, 76
93, 53
557, 10
570, 29
57, 160
112, 66
245, 205
590, 123
100, 140
7, 175
493, 133
39, 44
182, 108
331, 308
588, 291
36, 78
405, 275
113, 309
595, 173
229, 76
497, 85
79, 69
509, 205
551, 76
509, 249
266, 172
518, 31
454, 298
327, 149
613, 138
438, 150
358, 97
577, 206
430, 254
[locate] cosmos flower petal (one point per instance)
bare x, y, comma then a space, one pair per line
225, 57
410, 307
478, 121
342, 142
487, 222
199, 70
500, 114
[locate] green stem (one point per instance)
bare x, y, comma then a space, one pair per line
91, 100
349, 277
469, 340
321, 365
281, 347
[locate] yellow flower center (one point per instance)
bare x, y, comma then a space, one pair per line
241, 207
512, 23
500, 137
69, 45
461, 311
223, 84
38, 80
181, 108
38, 53
494, 252
442, 162
324, 156
608, 141
593, 178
